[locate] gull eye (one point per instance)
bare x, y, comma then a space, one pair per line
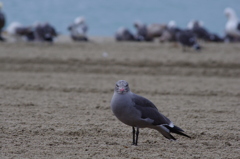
117, 85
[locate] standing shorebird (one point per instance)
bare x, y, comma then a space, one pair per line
138, 112
232, 27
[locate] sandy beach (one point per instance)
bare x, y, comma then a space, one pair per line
55, 99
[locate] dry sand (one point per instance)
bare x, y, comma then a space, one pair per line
55, 99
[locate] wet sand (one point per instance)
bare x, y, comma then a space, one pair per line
55, 99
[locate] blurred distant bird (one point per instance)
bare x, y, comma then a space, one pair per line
18, 31
11, 29
202, 33
170, 33
26, 32
142, 32
187, 39
79, 29
155, 30
44, 32
148, 33
197, 28
232, 28
194, 23
37, 32
215, 38
2, 22
123, 34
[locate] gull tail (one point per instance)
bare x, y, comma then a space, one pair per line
176, 130
165, 130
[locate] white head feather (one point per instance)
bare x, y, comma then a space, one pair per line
172, 24
230, 13
79, 20
11, 29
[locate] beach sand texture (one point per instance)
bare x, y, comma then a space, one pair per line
55, 99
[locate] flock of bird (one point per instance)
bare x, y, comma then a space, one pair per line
163, 32
186, 37
42, 32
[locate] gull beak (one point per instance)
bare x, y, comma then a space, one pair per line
121, 89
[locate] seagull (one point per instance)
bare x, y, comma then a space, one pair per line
123, 34
78, 29
232, 27
139, 112
187, 39
197, 28
142, 31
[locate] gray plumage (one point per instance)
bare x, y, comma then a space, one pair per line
123, 34
139, 112
78, 29
44, 32
2, 24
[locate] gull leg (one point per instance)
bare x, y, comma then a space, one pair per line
133, 132
137, 136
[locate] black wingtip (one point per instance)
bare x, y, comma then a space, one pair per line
172, 138
180, 133
177, 130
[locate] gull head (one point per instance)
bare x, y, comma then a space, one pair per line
230, 13
137, 24
172, 24
122, 87
79, 20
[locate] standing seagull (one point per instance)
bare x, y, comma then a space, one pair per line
232, 27
79, 29
139, 112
